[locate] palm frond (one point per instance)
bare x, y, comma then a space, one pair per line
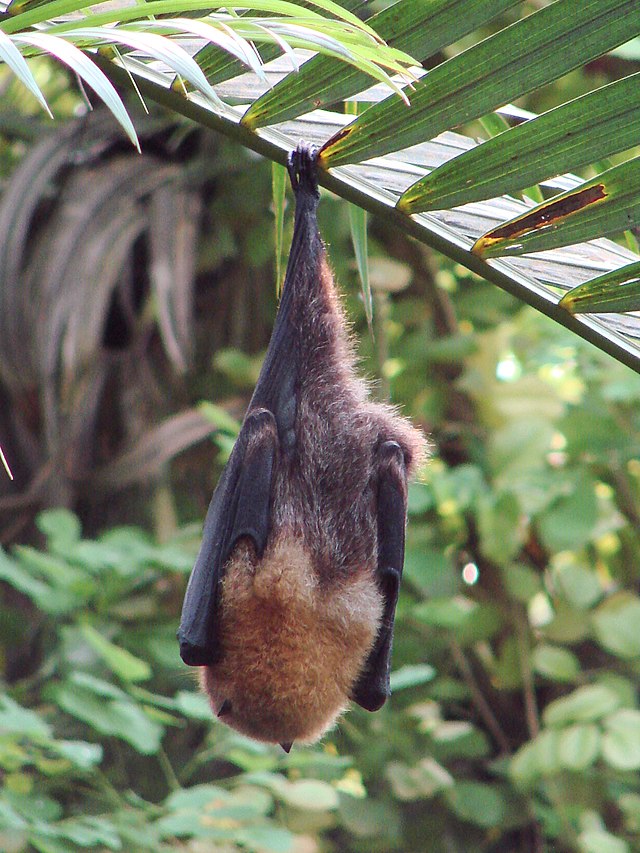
382, 159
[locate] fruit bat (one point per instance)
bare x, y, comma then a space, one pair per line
291, 603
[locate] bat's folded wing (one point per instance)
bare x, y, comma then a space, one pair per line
240, 507
372, 689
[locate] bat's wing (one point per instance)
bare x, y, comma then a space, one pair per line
372, 688
240, 506
241, 503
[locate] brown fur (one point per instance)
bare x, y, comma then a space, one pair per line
292, 649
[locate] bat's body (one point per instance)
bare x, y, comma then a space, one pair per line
291, 602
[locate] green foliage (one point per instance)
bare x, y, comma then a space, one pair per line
516, 661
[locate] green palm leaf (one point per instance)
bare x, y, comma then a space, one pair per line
550, 144
512, 61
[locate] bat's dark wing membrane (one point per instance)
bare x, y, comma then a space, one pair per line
372, 688
239, 507
241, 503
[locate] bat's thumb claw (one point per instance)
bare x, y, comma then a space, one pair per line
224, 709
287, 746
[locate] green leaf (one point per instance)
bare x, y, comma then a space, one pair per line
556, 142
569, 522
358, 222
600, 841
524, 765
585, 704
154, 45
580, 585
120, 718
607, 204
61, 527
555, 663
621, 740
546, 752
278, 187
501, 533
521, 582
477, 803
423, 781
411, 676
87, 70
410, 26
57, 8
535, 50
119, 660
614, 291
193, 705
616, 625
89, 831
47, 599
579, 746
310, 795
56, 570
14, 719
266, 839
84, 755
198, 798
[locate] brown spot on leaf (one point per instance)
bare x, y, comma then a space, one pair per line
337, 137
549, 214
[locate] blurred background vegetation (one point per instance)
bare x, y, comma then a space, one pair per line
137, 298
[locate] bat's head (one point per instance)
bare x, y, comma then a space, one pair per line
293, 644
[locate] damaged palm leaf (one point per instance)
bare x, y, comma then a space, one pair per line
615, 291
545, 146
84, 282
608, 204
537, 49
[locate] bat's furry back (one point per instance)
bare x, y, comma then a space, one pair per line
297, 623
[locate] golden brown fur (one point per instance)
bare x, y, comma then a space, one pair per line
293, 646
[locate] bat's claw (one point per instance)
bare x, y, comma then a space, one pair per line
302, 165
287, 746
224, 709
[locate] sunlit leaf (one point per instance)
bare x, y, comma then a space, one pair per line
588, 703
70, 55
420, 31
618, 290
58, 8
155, 46
533, 51
119, 660
10, 54
553, 143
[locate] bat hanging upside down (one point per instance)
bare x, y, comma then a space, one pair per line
291, 603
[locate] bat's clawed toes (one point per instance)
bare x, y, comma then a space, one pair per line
225, 709
287, 746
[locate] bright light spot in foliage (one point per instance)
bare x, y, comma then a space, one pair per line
470, 573
540, 610
508, 368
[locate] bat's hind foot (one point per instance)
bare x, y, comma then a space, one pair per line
302, 165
